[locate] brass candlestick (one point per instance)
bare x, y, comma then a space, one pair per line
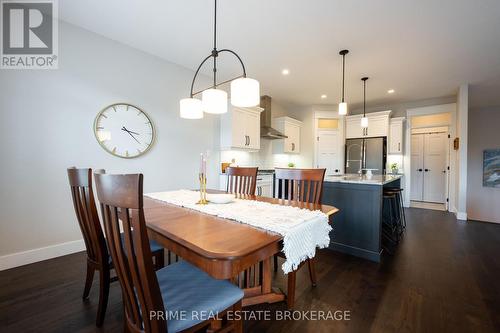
203, 190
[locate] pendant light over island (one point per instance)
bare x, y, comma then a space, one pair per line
364, 119
245, 92
343, 104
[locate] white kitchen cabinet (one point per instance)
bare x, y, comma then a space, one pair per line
264, 186
353, 128
378, 125
240, 129
396, 135
291, 128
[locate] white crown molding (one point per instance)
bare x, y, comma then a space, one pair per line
28, 257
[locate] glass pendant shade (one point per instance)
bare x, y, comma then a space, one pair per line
214, 101
364, 122
342, 109
245, 92
191, 108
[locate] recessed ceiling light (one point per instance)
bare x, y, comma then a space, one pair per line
390, 91
323, 96
285, 71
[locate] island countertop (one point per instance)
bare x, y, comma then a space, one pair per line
362, 179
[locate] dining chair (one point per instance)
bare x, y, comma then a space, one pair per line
98, 258
241, 180
304, 185
156, 302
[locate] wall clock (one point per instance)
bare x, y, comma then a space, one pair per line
124, 130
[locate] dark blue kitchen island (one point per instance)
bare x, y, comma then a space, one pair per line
357, 227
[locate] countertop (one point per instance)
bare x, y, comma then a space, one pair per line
362, 179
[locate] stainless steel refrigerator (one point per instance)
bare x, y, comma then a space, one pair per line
366, 153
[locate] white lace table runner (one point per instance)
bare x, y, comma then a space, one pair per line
303, 230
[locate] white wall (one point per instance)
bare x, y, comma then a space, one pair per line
46, 126
482, 202
462, 128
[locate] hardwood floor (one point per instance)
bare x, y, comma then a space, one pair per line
444, 278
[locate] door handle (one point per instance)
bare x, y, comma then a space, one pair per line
293, 146
427, 170
399, 146
248, 139
420, 170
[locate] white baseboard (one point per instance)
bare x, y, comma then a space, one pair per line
43, 253
462, 216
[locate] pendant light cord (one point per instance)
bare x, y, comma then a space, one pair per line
214, 54
364, 95
343, 76
214, 51
364, 98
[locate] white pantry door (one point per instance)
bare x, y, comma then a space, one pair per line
328, 152
435, 146
417, 167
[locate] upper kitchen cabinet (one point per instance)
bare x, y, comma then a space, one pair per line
378, 125
240, 128
291, 128
396, 135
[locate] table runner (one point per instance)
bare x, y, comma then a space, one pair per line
302, 229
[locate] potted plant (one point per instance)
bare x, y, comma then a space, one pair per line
394, 168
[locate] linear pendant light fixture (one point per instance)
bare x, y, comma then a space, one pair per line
364, 119
245, 92
343, 104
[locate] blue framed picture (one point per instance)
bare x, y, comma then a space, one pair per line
491, 168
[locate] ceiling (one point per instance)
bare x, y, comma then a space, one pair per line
422, 49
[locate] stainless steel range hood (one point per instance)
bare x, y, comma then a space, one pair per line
266, 131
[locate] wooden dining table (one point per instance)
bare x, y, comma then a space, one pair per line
223, 248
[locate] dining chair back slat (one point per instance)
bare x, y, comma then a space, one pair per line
241, 180
304, 185
80, 181
121, 198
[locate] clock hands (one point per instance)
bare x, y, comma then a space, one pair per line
125, 129
131, 134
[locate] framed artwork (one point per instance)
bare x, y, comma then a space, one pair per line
491, 168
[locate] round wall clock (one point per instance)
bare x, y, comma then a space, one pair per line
124, 130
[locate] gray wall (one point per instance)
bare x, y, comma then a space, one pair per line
483, 203
46, 122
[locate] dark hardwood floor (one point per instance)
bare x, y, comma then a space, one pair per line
445, 277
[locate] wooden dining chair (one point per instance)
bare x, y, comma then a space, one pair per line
241, 180
304, 185
176, 297
98, 258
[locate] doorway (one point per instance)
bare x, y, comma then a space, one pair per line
429, 161
328, 143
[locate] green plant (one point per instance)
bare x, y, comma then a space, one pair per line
291, 165
394, 166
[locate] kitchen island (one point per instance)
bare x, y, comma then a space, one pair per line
358, 225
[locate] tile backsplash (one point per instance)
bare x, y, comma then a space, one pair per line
264, 158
